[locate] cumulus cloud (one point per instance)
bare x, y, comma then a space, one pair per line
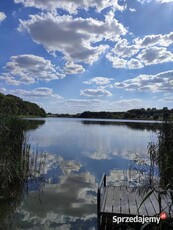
42, 92
116, 61
28, 69
99, 81
75, 38
72, 68
122, 55
71, 5
153, 83
155, 40
123, 63
155, 55
134, 64
124, 49
95, 92
140, 52
2, 17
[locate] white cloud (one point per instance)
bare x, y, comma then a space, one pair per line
92, 104
159, 1
155, 40
74, 37
28, 69
2, 17
169, 99
153, 83
123, 50
76, 105
99, 81
165, 1
72, 68
155, 55
116, 61
2, 90
39, 93
149, 50
123, 55
95, 92
132, 9
128, 103
71, 5
134, 64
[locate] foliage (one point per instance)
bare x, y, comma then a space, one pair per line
18, 164
12, 105
161, 156
13, 163
142, 114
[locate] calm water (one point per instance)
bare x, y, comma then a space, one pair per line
77, 153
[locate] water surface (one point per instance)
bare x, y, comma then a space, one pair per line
76, 154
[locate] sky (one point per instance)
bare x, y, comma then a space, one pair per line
71, 56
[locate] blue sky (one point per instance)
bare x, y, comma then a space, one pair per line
71, 56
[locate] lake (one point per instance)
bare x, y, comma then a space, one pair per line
75, 153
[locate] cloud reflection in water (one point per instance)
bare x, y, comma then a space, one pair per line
64, 205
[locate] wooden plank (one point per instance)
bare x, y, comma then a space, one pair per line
148, 205
109, 200
103, 199
116, 199
131, 194
124, 200
128, 201
147, 211
141, 209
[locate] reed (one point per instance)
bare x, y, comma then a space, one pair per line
18, 164
161, 158
12, 154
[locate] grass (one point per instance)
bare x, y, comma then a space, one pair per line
161, 163
13, 163
17, 164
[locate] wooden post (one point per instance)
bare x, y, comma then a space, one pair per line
99, 194
104, 180
98, 208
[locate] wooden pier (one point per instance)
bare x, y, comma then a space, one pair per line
127, 201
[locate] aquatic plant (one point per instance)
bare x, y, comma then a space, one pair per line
161, 156
18, 164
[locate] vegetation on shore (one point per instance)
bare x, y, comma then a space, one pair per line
15, 106
13, 164
160, 174
17, 164
140, 114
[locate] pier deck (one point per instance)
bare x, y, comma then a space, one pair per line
127, 201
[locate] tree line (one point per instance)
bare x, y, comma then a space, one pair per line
141, 114
15, 106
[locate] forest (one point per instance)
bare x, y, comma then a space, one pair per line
15, 106
140, 114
